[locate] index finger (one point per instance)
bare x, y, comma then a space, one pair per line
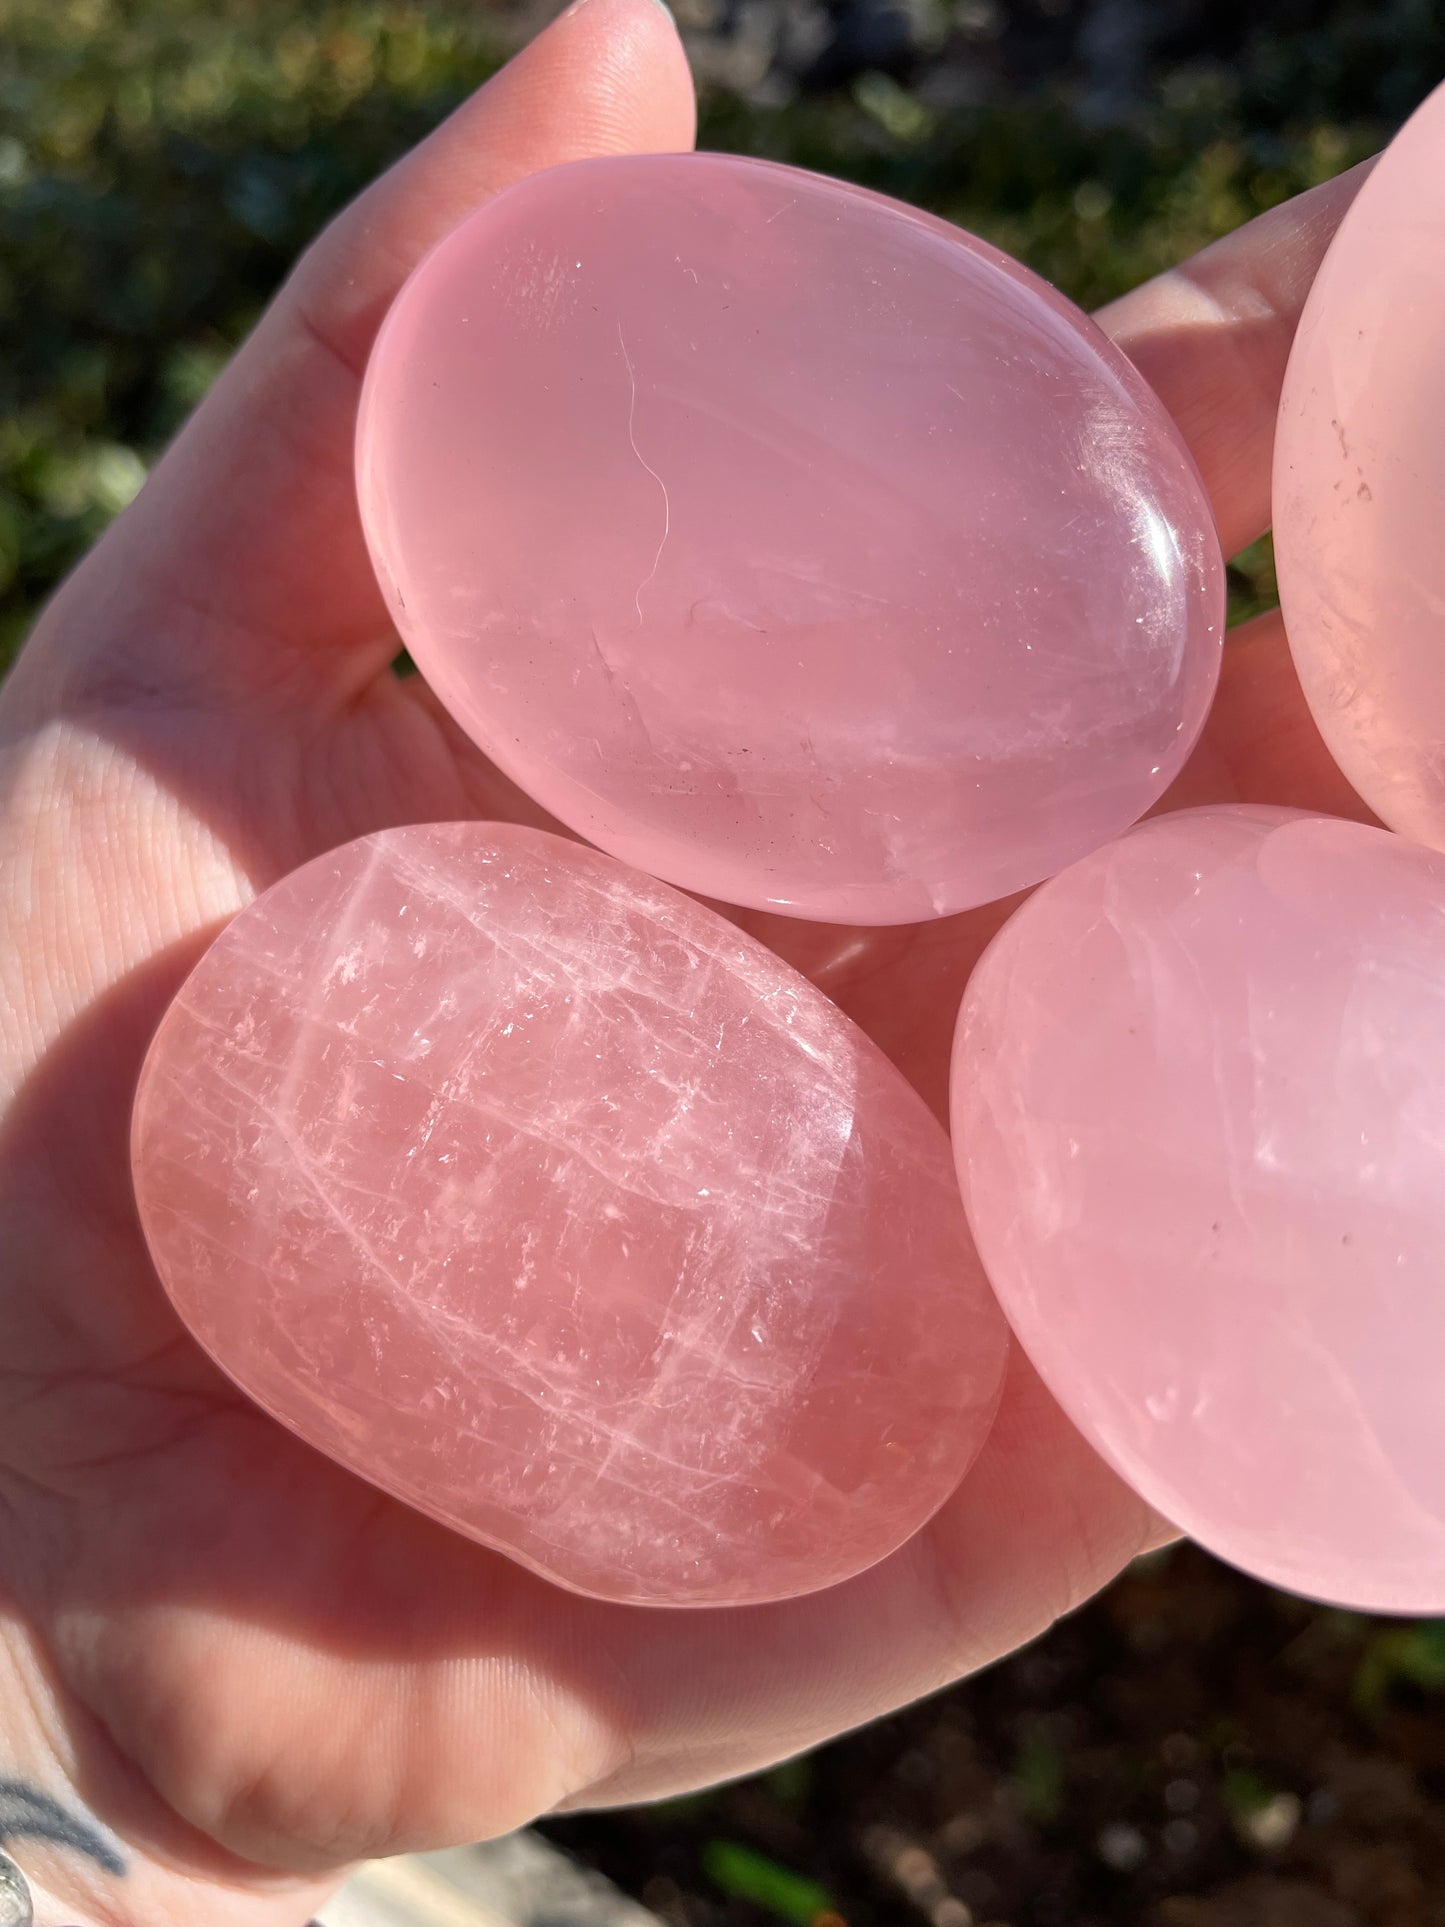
1212, 337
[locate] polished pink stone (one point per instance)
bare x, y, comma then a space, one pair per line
784, 541
1359, 486
1199, 1108
546, 1200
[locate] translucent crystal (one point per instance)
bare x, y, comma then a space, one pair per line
784, 541
1199, 1106
1359, 488
543, 1198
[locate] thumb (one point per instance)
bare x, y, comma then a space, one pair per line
240, 572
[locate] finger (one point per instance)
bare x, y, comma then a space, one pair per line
1212, 337
1037, 1527
241, 568
903, 983
449, 1695
1261, 744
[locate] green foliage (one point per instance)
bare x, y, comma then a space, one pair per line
745, 1874
1094, 209
162, 162
1410, 1655
1245, 1793
1251, 580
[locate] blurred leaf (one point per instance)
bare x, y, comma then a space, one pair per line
1245, 1793
1251, 581
896, 111
1411, 1655
745, 1874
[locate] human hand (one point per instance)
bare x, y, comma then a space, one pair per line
227, 1665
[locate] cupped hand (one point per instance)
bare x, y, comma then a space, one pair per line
229, 1667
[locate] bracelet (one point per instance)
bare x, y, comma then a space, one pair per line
15, 1905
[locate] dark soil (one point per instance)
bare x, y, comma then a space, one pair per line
1192, 1750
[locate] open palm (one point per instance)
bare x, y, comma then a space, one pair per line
249, 1667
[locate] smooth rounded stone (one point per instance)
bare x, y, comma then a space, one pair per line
786, 542
549, 1202
1359, 486
1199, 1109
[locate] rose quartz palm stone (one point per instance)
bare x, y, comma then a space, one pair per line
544, 1199
1359, 486
1200, 1119
784, 541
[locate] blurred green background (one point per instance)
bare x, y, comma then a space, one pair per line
163, 161
1193, 1750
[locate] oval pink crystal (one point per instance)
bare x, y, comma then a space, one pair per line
546, 1200
784, 541
1359, 490
1199, 1107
